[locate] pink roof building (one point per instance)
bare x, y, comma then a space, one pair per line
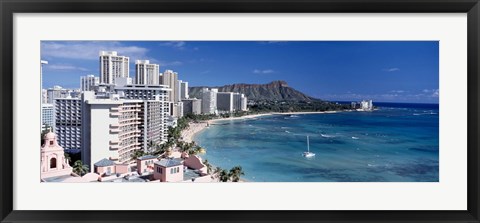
145, 164
168, 170
53, 162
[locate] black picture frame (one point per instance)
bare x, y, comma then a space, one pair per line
10, 7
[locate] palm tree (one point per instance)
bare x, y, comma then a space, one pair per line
216, 172
235, 173
79, 168
137, 154
208, 165
67, 157
160, 149
223, 176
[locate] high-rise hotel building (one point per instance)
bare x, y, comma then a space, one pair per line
68, 122
183, 89
88, 83
112, 66
225, 101
170, 79
147, 73
116, 126
209, 100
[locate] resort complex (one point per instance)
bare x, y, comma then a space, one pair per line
122, 127
239, 111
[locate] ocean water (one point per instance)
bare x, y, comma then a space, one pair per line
396, 143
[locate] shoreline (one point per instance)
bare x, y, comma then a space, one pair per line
194, 128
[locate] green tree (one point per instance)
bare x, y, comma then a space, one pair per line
235, 173
79, 168
208, 165
216, 172
138, 153
223, 176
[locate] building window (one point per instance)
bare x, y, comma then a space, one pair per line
51, 143
53, 163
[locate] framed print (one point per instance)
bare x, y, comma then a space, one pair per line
261, 111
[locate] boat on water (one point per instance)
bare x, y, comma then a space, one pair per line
308, 153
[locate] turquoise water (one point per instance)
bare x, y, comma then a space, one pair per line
397, 143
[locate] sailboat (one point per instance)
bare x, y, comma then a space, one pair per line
308, 153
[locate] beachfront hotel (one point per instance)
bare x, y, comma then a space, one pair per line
170, 79
112, 117
192, 106
183, 87
115, 127
147, 73
209, 100
231, 102
112, 66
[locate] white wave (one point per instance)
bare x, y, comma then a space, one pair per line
327, 136
430, 113
353, 137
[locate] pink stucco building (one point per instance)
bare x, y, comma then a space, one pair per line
168, 170
106, 167
53, 162
145, 164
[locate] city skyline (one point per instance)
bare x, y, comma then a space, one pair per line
385, 71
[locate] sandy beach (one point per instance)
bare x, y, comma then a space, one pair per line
194, 128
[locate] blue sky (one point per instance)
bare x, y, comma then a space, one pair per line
385, 71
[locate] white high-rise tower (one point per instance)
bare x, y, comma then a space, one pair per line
146, 73
112, 66
170, 79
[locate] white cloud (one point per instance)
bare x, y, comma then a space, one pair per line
266, 71
431, 92
175, 44
393, 69
64, 67
397, 91
89, 50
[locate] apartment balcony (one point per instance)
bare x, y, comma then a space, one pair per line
113, 158
115, 131
114, 147
115, 114
114, 125
115, 109
115, 141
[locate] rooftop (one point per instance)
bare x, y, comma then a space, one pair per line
104, 162
146, 157
168, 162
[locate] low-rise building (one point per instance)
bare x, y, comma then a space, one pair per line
106, 167
145, 164
168, 170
